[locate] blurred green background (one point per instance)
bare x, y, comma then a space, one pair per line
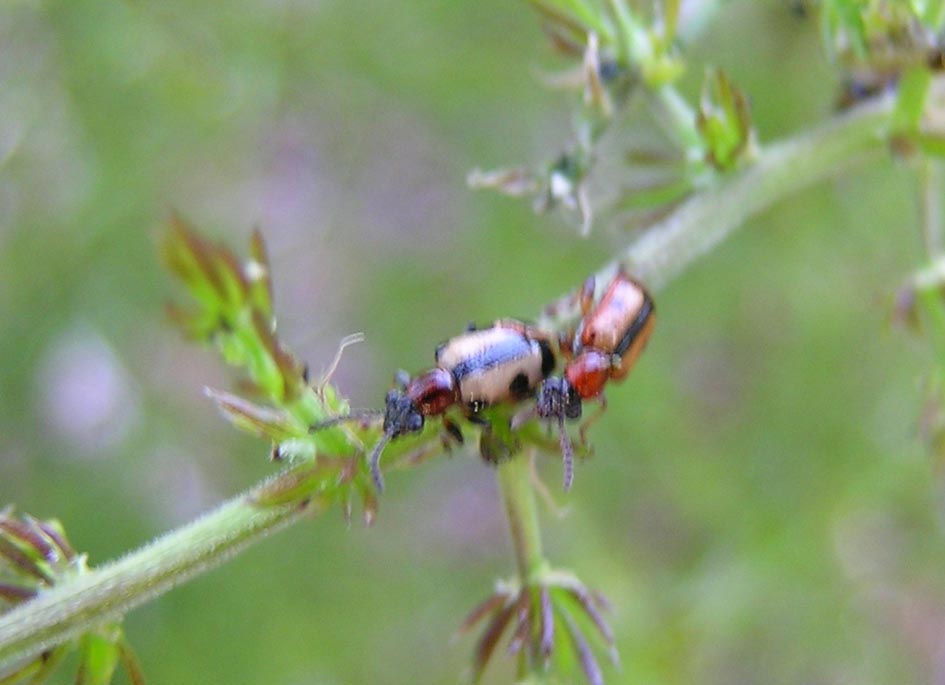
761, 507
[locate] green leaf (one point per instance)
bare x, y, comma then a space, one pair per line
98, 658
930, 145
910, 104
724, 122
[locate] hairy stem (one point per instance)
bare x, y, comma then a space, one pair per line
107, 592
659, 255
700, 223
705, 220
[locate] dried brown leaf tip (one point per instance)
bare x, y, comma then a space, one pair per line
553, 623
565, 31
34, 557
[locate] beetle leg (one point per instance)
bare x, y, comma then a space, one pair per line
401, 378
586, 423
586, 295
566, 343
418, 455
475, 418
452, 431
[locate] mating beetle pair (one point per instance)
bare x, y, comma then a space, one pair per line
512, 361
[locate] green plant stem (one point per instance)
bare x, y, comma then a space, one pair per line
660, 254
703, 221
518, 494
706, 219
107, 592
932, 189
676, 116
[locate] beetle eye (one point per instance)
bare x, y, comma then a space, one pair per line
415, 423
573, 408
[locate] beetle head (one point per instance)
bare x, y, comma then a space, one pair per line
557, 398
401, 415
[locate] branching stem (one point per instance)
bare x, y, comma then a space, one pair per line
660, 254
670, 246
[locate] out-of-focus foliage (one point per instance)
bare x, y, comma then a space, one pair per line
554, 619
35, 556
234, 311
877, 31
724, 121
760, 505
630, 57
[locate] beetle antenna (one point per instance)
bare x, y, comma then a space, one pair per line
567, 451
346, 341
356, 415
375, 461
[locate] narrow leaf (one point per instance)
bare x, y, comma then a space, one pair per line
587, 605
523, 630
910, 104
21, 561
560, 22
585, 655
259, 273
98, 658
29, 539
55, 532
481, 610
547, 624
253, 418
129, 660
16, 593
490, 638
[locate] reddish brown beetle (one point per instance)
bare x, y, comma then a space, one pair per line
604, 347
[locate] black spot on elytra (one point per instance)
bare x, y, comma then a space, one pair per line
519, 386
547, 359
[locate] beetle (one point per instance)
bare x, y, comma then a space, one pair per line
605, 346
506, 362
